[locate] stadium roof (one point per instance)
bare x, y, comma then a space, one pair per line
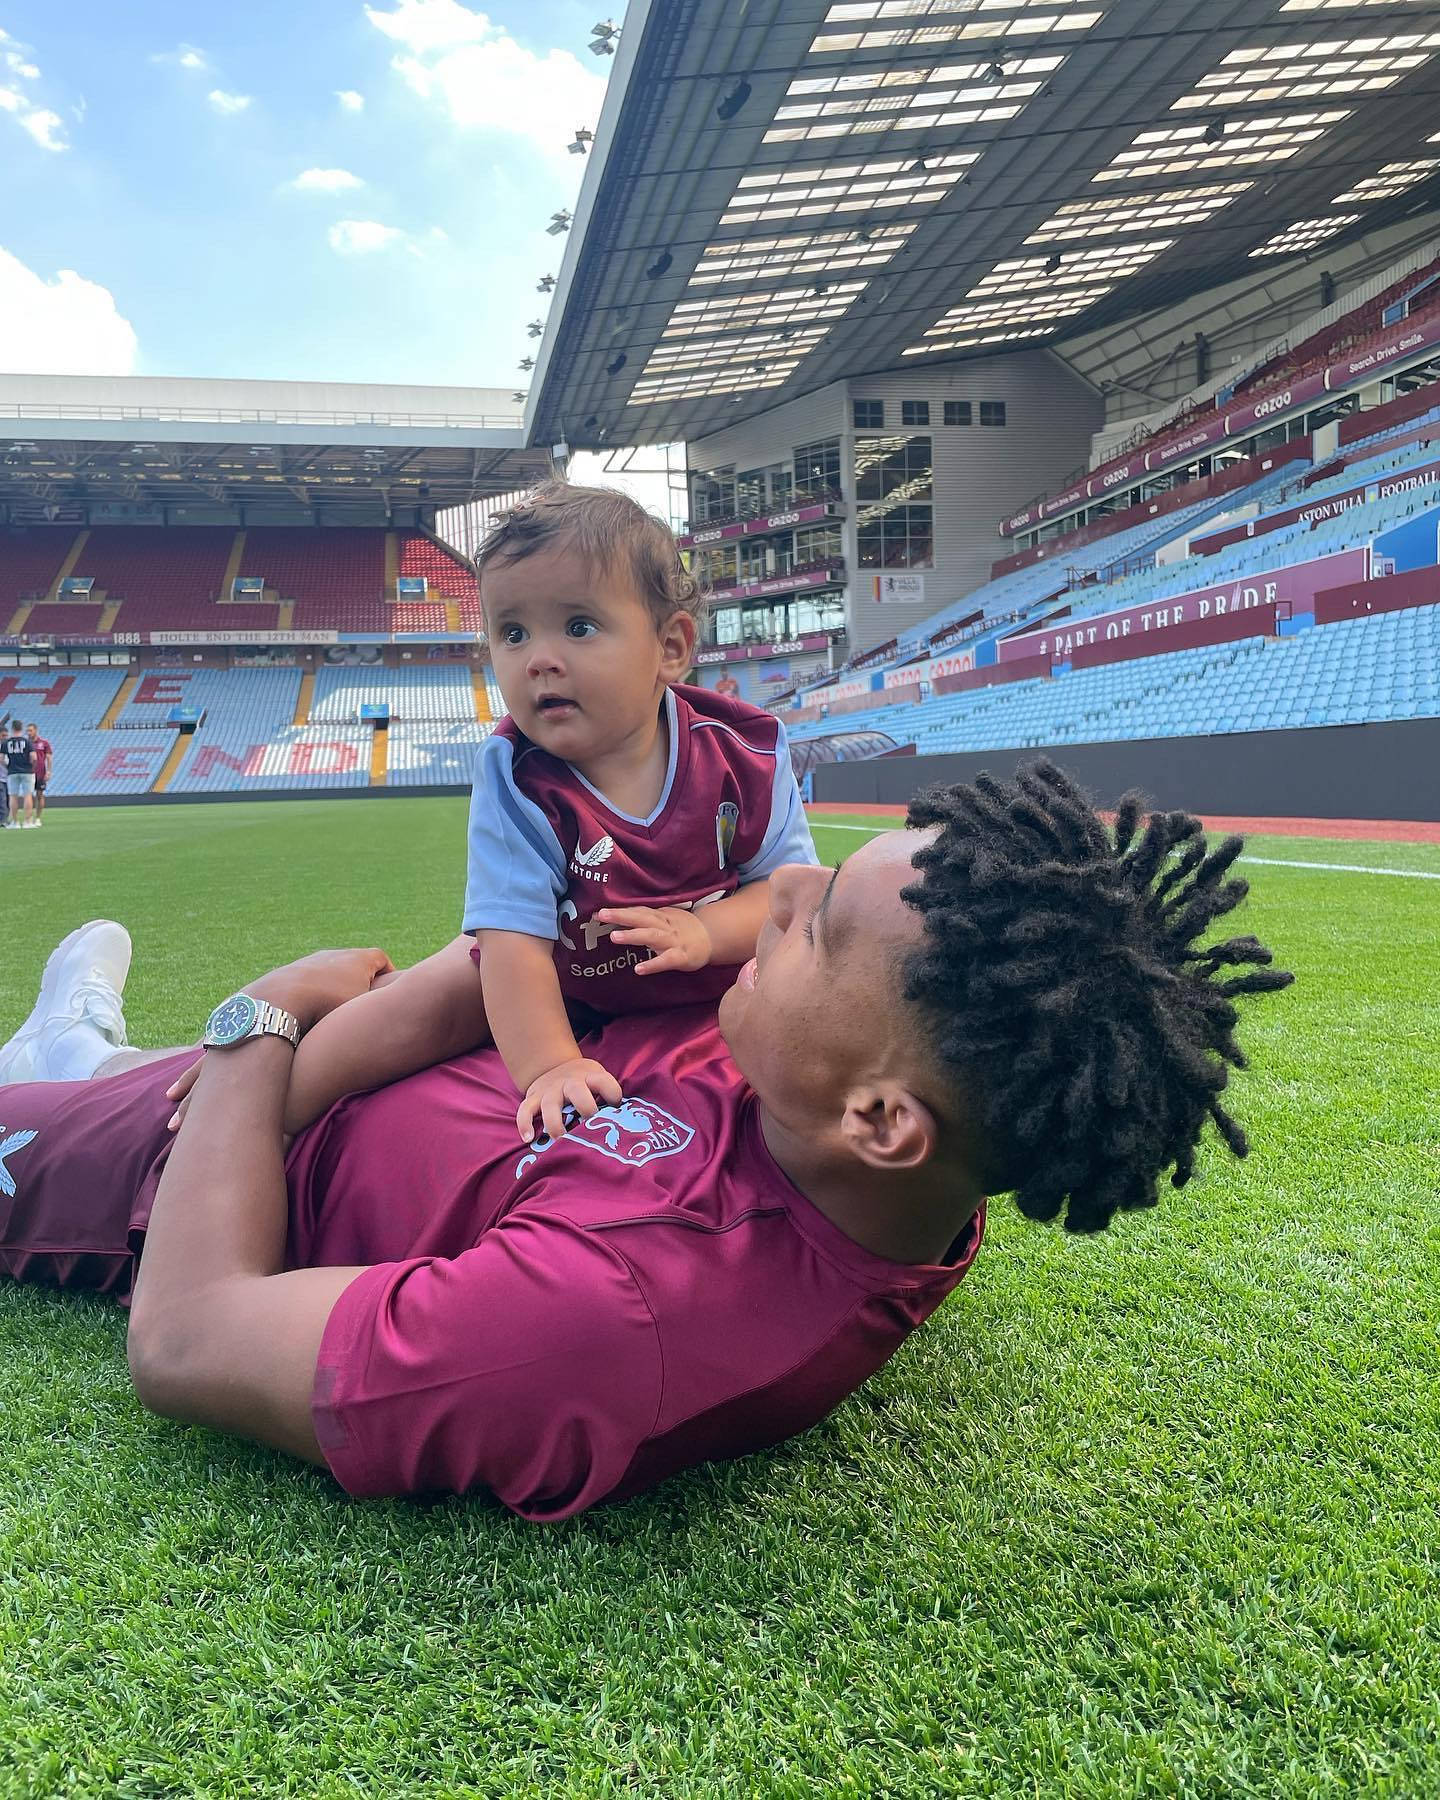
790, 192
70, 443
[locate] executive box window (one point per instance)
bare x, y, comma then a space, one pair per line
717, 565
777, 621
712, 495
759, 491
868, 415
894, 517
959, 412
992, 412
914, 412
817, 470
817, 544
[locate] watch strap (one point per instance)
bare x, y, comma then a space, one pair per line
274, 1021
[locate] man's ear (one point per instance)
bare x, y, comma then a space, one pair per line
887, 1128
677, 646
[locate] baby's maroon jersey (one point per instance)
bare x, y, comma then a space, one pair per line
548, 850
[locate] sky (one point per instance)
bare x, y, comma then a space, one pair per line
290, 189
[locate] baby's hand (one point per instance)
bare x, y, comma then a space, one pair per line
674, 935
576, 1083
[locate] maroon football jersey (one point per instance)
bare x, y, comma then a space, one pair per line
548, 850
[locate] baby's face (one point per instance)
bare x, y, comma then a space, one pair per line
576, 652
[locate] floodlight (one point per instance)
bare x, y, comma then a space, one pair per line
581, 139
544, 284
660, 266
1214, 131
559, 222
518, 397
995, 71
1053, 263
602, 38
614, 368
536, 328
527, 363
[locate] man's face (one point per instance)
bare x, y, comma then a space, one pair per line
576, 651
821, 1000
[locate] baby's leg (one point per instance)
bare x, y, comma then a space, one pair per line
406, 1022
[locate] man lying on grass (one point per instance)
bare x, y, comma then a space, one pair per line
1008, 997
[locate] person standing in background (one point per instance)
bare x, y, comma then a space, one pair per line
20, 758
44, 757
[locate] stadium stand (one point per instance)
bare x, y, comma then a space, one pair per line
317, 565
30, 560
445, 572
1347, 332
173, 571
1383, 667
248, 699
235, 756
439, 692
104, 763
434, 755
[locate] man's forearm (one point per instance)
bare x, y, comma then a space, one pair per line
221, 1209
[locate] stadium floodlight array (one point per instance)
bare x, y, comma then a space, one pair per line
784, 306
1027, 296
921, 99
826, 190
801, 254
1119, 213
997, 20
1390, 179
1197, 150
1304, 234
1265, 74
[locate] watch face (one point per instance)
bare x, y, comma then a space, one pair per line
231, 1020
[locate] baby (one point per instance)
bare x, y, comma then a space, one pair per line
623, 827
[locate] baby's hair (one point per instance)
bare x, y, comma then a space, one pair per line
605, 527
1069, 993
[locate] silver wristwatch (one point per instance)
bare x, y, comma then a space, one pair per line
242, 1017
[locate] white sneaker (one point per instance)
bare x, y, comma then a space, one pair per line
78, 1021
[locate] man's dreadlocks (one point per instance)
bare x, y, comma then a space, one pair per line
1064, 986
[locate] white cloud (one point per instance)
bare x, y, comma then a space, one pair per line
424, 25
45, 127
358, 237
326, 181
482, 78
350, 100
228, 103
67, 326
188, 56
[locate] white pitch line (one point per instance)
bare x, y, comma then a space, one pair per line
1293, 862
1273, 862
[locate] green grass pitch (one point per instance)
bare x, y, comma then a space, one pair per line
1151, 1513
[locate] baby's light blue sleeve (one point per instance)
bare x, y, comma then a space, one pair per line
515, 874
788, 838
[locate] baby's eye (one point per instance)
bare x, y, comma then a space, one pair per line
581, 628
512, 634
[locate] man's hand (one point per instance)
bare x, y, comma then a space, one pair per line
310, 987
675, 936
575, 1083
316, 984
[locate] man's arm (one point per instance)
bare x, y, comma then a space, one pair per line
424, 1015
220, 1333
